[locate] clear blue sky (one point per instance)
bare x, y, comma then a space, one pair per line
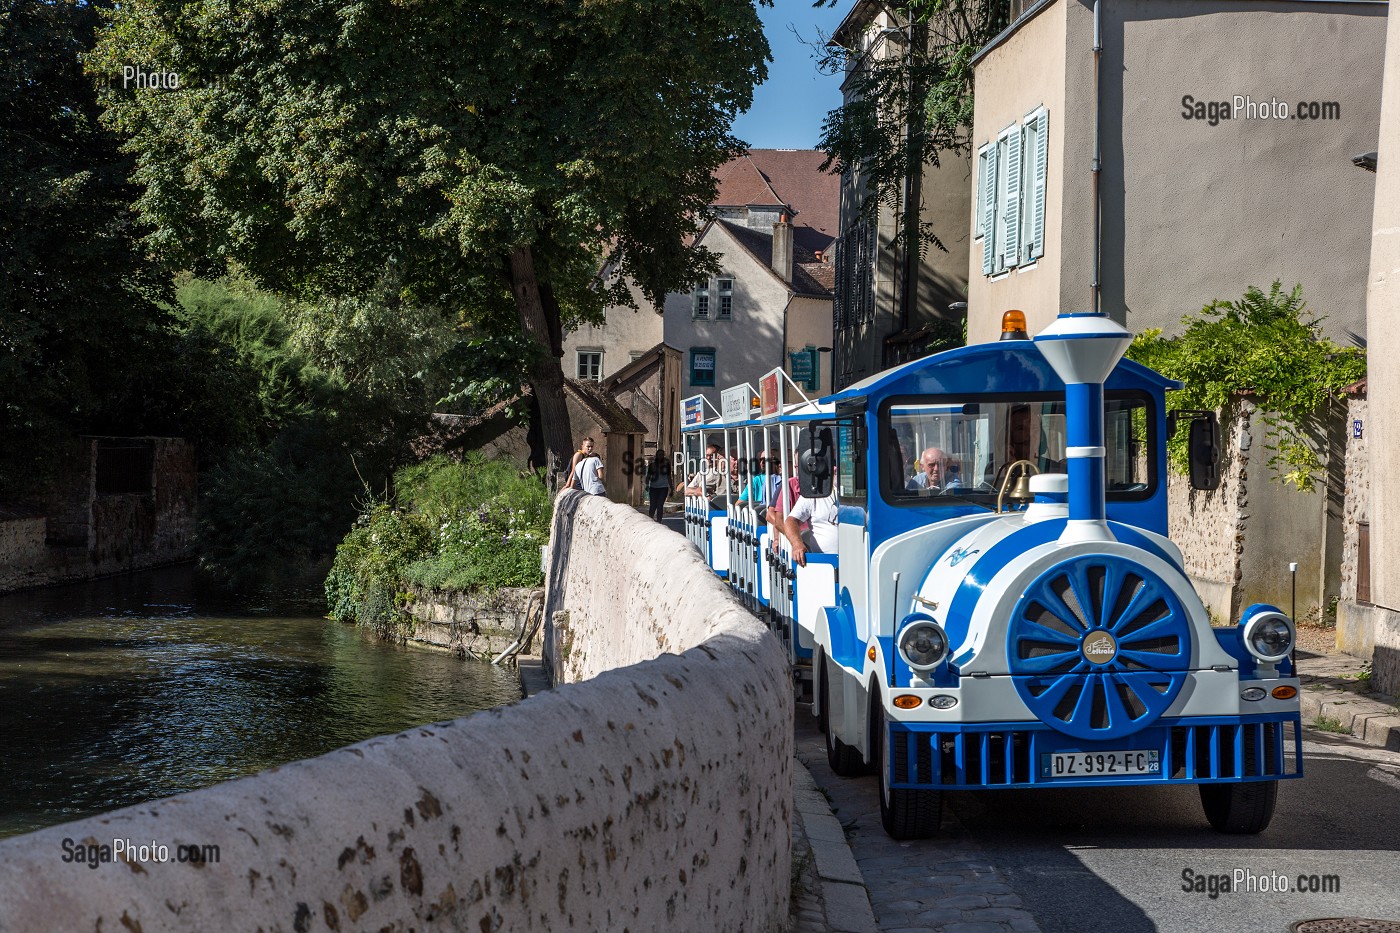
789, 107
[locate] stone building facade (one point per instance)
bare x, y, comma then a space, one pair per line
123, 503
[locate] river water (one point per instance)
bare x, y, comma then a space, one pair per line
125, 690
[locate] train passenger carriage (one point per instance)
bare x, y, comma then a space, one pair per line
1004, 608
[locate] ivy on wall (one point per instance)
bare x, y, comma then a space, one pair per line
1268, 345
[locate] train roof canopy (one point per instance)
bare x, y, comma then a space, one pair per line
1005, 367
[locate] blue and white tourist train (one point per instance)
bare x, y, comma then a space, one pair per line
1017, 618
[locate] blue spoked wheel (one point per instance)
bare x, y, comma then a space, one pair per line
1099, 647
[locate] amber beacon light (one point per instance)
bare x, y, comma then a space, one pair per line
1013, 326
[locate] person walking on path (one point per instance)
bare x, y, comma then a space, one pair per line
658, 483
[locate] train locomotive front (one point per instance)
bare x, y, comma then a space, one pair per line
1057, 642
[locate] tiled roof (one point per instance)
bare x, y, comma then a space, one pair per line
741, 183
610, 415
815, 279
791, 178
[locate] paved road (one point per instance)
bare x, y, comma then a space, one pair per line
1113, 859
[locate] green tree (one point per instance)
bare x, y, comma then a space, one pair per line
488, 155
908, 106
79, 312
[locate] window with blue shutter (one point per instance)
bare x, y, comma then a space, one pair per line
1037, 151
1009, 144
989, 212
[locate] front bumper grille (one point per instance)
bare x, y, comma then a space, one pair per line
1192, 751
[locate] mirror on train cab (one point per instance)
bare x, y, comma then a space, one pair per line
815, 460
1202, 446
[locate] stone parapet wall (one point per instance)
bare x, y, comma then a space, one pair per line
654, 796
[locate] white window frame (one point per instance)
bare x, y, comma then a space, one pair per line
724, 295
1011, 194
595, 359
700, 302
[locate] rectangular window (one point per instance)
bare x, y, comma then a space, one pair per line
725, 292
702, 366
959, 449
1011, 178
590, 364
701, 310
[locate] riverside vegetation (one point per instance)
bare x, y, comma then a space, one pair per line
475, 524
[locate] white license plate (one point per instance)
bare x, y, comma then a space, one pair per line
1103, 764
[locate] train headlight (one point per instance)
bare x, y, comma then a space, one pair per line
922, 644
1268, 636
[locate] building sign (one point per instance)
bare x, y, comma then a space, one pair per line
693, 411
770, 390
803, 364
734, 403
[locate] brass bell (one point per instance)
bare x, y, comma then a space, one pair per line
1021, 492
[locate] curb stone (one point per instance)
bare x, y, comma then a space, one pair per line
844, 904
1331, 689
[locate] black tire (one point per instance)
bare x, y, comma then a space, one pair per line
1239, 809
845, 760
905, 813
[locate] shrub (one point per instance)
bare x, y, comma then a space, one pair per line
364, 581
1267, 344
471, 525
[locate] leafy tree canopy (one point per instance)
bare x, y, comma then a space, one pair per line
908, 101
483, 155
79, 300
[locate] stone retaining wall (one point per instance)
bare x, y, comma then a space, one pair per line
655, 796
477, 624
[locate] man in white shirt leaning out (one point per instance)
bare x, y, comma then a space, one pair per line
820, 534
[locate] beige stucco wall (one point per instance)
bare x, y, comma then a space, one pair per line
625, 330
809, 324
1027, 71
1191, 212
1194, 212
748, 345
654, 796
1383, 323
1238, 540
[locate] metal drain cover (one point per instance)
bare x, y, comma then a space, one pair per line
1345, 925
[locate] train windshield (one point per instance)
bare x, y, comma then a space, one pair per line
943, 451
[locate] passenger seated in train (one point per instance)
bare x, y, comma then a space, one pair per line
708, 480
819, 536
